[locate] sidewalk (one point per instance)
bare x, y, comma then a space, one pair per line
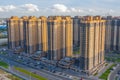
103, 70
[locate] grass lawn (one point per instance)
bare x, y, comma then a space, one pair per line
104, 76
106, 64
117, 59
95, 74
113, 59
76, 52
38, 77
2, 52
3, 64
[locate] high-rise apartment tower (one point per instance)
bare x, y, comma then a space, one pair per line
59, 37
92, 40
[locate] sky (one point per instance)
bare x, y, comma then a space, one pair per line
59, 7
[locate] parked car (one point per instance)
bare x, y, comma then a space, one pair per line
118, 72
114, 68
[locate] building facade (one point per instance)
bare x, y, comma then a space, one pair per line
76, 31
59, 37
108, 34
112, 39
42, 34
13, 32
29, 33
115, 35
92, 40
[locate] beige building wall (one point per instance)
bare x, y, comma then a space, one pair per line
42, 33
108, 36
96, 40
92, 40
13, 32
21, 28
69, 37
59, 37
103, 41
31, 34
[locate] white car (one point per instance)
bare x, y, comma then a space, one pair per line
114, 68
70, 77
4, 49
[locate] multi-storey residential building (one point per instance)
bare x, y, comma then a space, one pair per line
59, 37
22, 28
42, 34
36, 34
92, 40
108, 33
76, 31
115, 35
29, 33
112, 39
13, 32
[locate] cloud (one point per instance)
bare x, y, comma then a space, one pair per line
7, 8
55, 9
59, 7
91, 10
22, 8
30, 7
73, 9
111, 11
1, 9
76, 10
63, 8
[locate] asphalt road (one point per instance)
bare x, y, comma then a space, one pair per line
113, 73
